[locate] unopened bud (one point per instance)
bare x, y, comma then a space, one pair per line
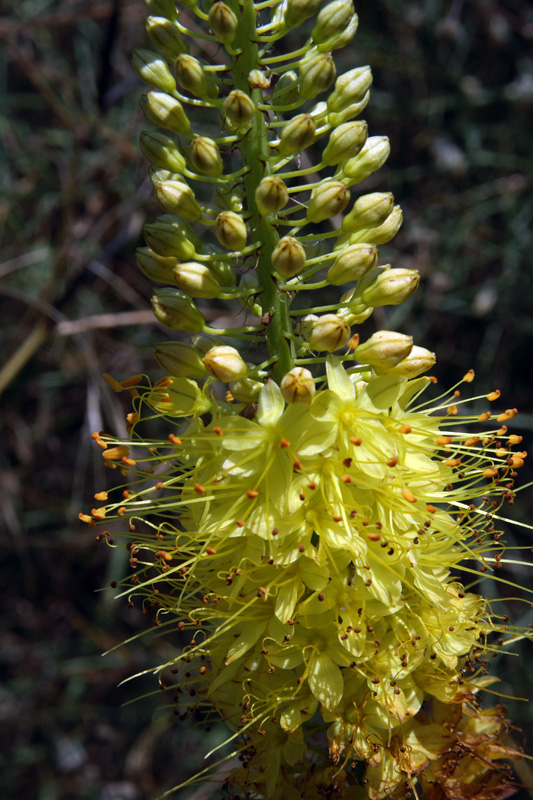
418, 361
230, 230
353, 312
368, 211
384, 349
193, 78
371, 158
345, 141
153, 70
205, 156
327, 200
258, 79
202, 342
171, 237
178, 198
351, 111
336, 20
162, 151
223, 23
157, 268
162, 8
196, 280
287, 88
326, 333
382, 233
352, 263
225, 363
180, 360
165, 111
298, 386
387, 287
271, 195
297, 11
177, 311
288, 257
317, 75
245, 390
297, 134
166, 37
350, 88
238, 108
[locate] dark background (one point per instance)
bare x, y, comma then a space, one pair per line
454, 92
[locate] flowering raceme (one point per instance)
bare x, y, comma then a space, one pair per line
305, 531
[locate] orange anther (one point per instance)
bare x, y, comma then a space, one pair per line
85, 518
159, 485
409, 496
490, 473
130, 462
131, 381
252, 494
121, 511
443, 440
163, 382
431, 508
347, 462
311, 485
98, 513
337, 518
126, 495
485, 416
284, 443
502, 431
115, 385
515, 462
356, 441
493, 395
101, 443
134, 393
297, 464
453, 462
199, 489
101, 496
116, 453
469, 377
515, 439
457, 393
452, 410
164, 555
218, 431
240, 523
174, 439
405, 429
353, 342
229, 397
132, 417
374, 537
346, 478
472, 441
392, 462
433, 379
210, 551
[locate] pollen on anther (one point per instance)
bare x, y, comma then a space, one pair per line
284, 443
199, 489
346, 478
311, 485
252, 494
210, 551
493, 395
408, 495
431, 509
392, 462
174, 439
218, 430
240, 523
356, 441
102, 496
405, 429
297, 464
485, 416
469, 377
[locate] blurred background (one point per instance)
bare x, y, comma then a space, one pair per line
453, 89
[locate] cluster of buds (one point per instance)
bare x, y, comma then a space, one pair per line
312, 526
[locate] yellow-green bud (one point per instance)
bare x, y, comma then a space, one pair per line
297, 11
371, 158
287, 88
171, 237
326, 333
196, 280
177, 311
382, 233
327, 200
153, 70
271, 195
203, 342
221, 269
205, 156
317, 75
166, 37
245, 390
193, 78
225, 363
162, 151
164, 111
350, 88
298, 386
258, 79
288, 257
157, 268
223, 23
384, 349
418, 361
162, 8
297, 134
230, 230
345, 141
249, 280
353, 312
178, 198
368, 211
180, 360
387, 287
238, 108
352, 263
334, 21
352, 110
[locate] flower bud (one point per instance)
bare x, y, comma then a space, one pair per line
171, 237
368, 211
238, 108
352, 263
202, 342
418, 361
350, 88
245, 390
371, 158
230, 230
327, 200
162, 151
271, 195
297, 134
381, 234
384, 349
297, 11
353, 312
249, 281
298, 386
180, 360
196, 280
157, 268
288, 257
162, 8
166, 37
164, 111
225, 363
345, 141
178, 198
183, 398
317, 75
258, 79
287, 88
387, 287
223, 23
326, 333
205, 156
193, 78
153, 70
333, 21
352, 110
177, 311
